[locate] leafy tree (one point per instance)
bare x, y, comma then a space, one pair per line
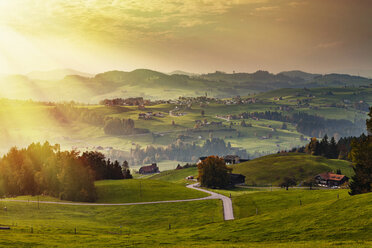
288, 182
311, 182
213, 172
313, 147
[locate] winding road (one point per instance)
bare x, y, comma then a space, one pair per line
228, 212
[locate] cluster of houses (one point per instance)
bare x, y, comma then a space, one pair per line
149, 115
134, 101
176, 113
204, 123
204, 100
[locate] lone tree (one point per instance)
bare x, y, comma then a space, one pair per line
361, 155
288, 182
311, 182
213, 173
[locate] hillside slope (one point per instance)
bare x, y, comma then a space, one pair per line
273, 169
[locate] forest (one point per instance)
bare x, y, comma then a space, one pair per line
45, 169
311, 125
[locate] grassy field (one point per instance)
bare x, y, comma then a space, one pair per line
272, 169
138, 190
133, 190
325, 218
176, 176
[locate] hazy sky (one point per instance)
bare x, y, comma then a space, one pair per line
192, 35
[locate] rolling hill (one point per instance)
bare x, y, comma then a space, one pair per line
272, 169
66, 85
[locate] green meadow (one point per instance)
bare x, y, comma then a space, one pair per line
264, 218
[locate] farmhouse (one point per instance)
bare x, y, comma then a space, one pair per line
330, 179
149, 169
237, 179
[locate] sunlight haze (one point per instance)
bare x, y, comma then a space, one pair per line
166, 35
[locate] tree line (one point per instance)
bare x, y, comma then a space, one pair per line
311, 125
356, 149
45, 169
330, 148
186, 152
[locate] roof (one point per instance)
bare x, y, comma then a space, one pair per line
233, 175
331, 176
149, 168
231, 157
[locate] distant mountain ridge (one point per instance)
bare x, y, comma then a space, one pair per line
56, 74
151, 84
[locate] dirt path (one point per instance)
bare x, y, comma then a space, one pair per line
227, 204
228, 212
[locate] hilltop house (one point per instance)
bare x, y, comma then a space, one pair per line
229, 159
330, 179
149, 169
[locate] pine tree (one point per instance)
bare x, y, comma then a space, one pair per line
333, 150
361, 155
323, 146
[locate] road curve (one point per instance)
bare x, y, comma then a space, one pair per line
228, 212
227, 204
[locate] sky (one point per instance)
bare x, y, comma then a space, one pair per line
321, 36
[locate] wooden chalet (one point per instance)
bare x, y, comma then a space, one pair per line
149, 169
329, 179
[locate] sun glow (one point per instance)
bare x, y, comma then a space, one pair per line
18, 52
